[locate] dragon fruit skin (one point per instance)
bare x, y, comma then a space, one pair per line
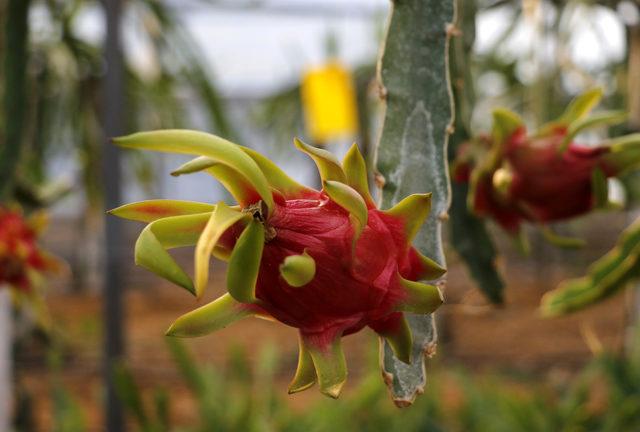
20, 255
328, 262
354, 290
546, 176
542, 171
546, 185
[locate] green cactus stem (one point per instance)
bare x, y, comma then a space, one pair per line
412, 154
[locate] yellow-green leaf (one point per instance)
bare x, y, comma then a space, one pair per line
305, 373
150, 254
355, 168
581, 106
203, 144
244, 264
412, 211
430, 269
198, 164
329, 363
419, 297
232, 180
604, 118
607, 276
505, 123
221, 219
400, 340
328, 165
623, 155
151, 210
277, 178
169, 233
350, 200
211, 317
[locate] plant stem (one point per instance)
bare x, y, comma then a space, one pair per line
412, 153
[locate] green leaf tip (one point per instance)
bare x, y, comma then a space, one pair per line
150, 253
277, 178
505, 124
581, 106
167, 233
244, 264
231, 179
203, 144
430, 270
419, 297
401, 340
329, 363
605, 277
298, 270
209, 318
305, 376
328, 165
605, 118
355, 168
152, 210
350, 200
222, 218
412, 211
624, 154
193, 166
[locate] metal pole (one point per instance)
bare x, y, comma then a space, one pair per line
112, 288
6, 357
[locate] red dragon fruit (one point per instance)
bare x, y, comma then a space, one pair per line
546, 176
21, 259
328, 262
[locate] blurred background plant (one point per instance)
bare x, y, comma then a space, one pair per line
244, 396
52, 86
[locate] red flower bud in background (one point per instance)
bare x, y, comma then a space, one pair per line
21, 259
328, 262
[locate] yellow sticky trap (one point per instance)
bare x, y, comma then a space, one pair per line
329, 103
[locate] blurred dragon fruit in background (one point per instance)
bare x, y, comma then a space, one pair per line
328, 262
546, 176
22, 261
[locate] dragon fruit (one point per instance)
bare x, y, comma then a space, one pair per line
327, 262
543, 177
21, 259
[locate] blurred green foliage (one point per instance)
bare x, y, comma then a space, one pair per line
605, 396
606, 277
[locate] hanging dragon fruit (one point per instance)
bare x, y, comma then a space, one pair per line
545, 176
327, 262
